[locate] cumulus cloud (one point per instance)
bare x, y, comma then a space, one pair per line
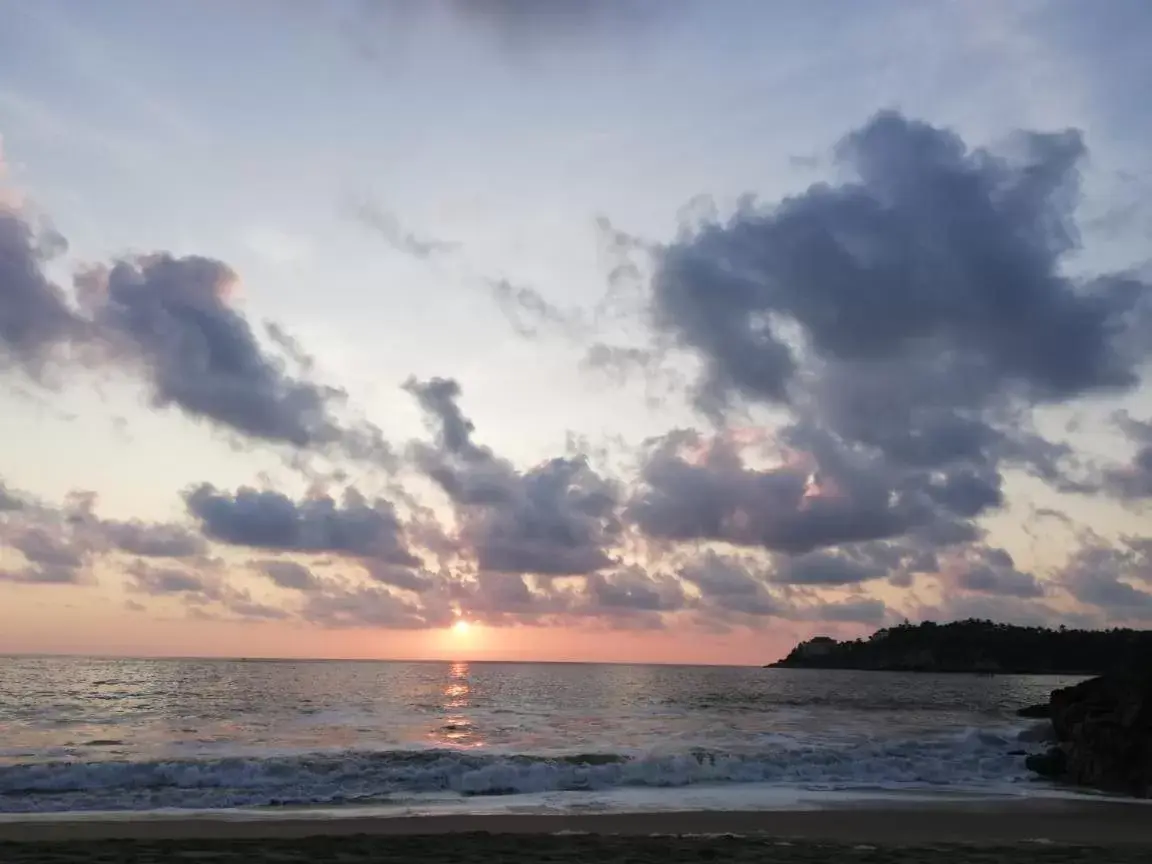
50, 558
36, 320
694, 488
353, 526
935, 252
53, 543
173, 323
906, 322
555, 519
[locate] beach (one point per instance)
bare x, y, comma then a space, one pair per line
1027, 831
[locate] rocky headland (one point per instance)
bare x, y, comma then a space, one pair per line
982, 647
1103, 734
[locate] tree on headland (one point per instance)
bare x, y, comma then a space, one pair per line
976, 645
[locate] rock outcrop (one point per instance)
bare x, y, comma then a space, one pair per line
1104, 730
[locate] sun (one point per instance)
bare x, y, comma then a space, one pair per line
461, 627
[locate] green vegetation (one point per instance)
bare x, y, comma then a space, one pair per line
980, 646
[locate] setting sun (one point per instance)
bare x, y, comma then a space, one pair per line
461, 627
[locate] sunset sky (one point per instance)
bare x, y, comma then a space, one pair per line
633, 331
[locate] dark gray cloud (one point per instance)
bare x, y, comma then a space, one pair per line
823, 568
907, 321
634, 590
935, 251
35, 318
556, 519
172, 319
989, 570
404, 578
692, 488
731, 586
258, 519
1100, 574
289, 574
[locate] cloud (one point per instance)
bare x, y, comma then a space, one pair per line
172, 320
289, 574
514, 25
9, 500
35, 318
1133, 481
159, 581
373, 607
204, 594
556, 519
387, 226
54, 543
50, 559
906, 322
1100, 574
729, 585
634, 590
934, 252
992, 571
692, 488
257, 519
152, 540
173, 323
823, 568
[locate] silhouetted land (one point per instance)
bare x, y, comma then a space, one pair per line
980, 646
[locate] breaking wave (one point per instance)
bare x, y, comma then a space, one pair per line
975, 759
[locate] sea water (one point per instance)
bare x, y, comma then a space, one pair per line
254, 737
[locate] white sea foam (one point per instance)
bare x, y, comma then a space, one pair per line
973, 759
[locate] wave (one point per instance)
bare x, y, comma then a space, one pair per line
971, 760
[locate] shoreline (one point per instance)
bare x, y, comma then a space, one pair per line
1058, 821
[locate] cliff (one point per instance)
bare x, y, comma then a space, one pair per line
979, 646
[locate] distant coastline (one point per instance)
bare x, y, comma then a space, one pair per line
978, 647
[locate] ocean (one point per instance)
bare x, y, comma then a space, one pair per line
256, 737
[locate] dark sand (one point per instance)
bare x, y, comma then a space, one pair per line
1009, 833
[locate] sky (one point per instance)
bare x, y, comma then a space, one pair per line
570, 329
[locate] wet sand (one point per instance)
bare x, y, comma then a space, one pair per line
1006, 833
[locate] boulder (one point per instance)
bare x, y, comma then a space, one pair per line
1104, 726
1051, 764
